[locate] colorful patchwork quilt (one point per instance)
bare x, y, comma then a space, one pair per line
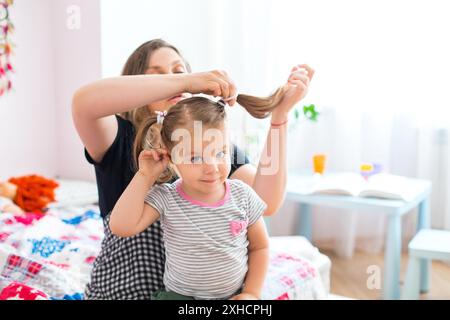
50, 256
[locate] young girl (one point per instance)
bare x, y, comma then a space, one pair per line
214, 234
107, 114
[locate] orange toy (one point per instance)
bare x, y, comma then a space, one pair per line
34, 192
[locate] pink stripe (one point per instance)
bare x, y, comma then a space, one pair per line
204, 204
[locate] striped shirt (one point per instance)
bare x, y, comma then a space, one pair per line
206, 244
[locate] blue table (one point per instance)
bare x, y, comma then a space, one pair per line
395, 209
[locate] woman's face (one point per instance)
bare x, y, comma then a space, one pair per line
166, 61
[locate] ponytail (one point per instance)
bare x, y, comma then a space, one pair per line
258, 107
148, 137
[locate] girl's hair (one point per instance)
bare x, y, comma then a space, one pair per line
137, 64
150, 134
258, 107
154, 135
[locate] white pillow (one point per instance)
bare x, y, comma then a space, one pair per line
74, 193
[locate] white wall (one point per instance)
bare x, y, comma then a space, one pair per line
186, 24
27, 125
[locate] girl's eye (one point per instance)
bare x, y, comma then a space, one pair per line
196, 159
220, 155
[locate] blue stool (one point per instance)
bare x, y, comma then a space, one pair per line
427, 245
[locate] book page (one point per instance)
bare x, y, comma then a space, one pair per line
339, 184
390, 186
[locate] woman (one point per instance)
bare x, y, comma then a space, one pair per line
155, 77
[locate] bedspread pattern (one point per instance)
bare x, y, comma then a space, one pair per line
51, 256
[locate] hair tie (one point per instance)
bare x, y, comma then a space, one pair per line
231, 98
224, 102
221, 103
160, 115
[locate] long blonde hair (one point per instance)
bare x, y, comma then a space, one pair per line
151, 134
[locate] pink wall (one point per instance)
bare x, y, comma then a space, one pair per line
77, 61
27, 125
51, 62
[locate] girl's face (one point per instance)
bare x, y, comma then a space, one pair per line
206, 167
166, 61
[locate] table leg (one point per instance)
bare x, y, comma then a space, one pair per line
392, 257
425, 264
304, 225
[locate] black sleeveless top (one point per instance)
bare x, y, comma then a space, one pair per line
128, 268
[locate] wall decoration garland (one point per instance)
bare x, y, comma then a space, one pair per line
6, 28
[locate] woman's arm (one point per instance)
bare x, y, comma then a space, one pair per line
94, 105
269, 179
119, 94
258, 261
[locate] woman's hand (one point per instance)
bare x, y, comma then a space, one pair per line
153, 162
244, 296
297, 88
216, 83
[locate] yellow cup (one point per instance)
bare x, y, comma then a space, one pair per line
319, 161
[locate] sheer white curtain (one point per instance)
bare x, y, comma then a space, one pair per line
382, 80
381, 83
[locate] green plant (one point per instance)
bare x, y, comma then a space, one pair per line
309, 112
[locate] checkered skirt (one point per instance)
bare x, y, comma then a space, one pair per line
128, 268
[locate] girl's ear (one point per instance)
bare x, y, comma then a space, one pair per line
168, 154
167, 151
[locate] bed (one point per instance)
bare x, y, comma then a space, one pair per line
50, 256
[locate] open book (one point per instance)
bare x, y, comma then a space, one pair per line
380, 185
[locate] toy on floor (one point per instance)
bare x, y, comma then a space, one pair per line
30, 193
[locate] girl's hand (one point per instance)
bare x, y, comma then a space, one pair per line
216, 83
153, 162
244, 296
297, 88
